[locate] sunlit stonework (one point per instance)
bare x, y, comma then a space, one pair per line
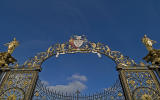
136, 81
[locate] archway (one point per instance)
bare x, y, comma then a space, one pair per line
138, 80
84, 72
80, 44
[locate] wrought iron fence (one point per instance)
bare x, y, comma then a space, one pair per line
42, 92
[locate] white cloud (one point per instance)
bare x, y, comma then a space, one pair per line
71, 87
76, 83
78, 77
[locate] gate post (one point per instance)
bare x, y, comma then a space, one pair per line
139, 82
18, 83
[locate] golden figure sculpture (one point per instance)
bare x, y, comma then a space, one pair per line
154, 54
5, 57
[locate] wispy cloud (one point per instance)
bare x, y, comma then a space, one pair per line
78, 77
76, 83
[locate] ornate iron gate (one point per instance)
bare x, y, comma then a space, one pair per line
137, 81
18, 83
140, 83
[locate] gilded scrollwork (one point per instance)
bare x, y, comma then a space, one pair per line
17, 81
81, 45
140, 83
13, 94
145, 93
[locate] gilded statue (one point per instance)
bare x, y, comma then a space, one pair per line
154, 54
5, 57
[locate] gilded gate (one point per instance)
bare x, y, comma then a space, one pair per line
136, 81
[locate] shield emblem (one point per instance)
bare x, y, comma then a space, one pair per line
78, 43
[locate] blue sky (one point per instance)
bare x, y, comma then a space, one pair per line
120, 24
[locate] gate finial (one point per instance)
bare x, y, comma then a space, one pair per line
154, 54
5, 57
148, 42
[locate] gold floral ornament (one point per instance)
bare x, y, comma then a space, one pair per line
12, 97
37, 94
149, 81
154, 54
5, 57
13, 94
10, 83
146, 97
120, 94
145, 93
25, 83
132, 82
63, 48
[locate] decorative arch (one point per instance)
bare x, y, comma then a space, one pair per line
80, 44
133, 77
